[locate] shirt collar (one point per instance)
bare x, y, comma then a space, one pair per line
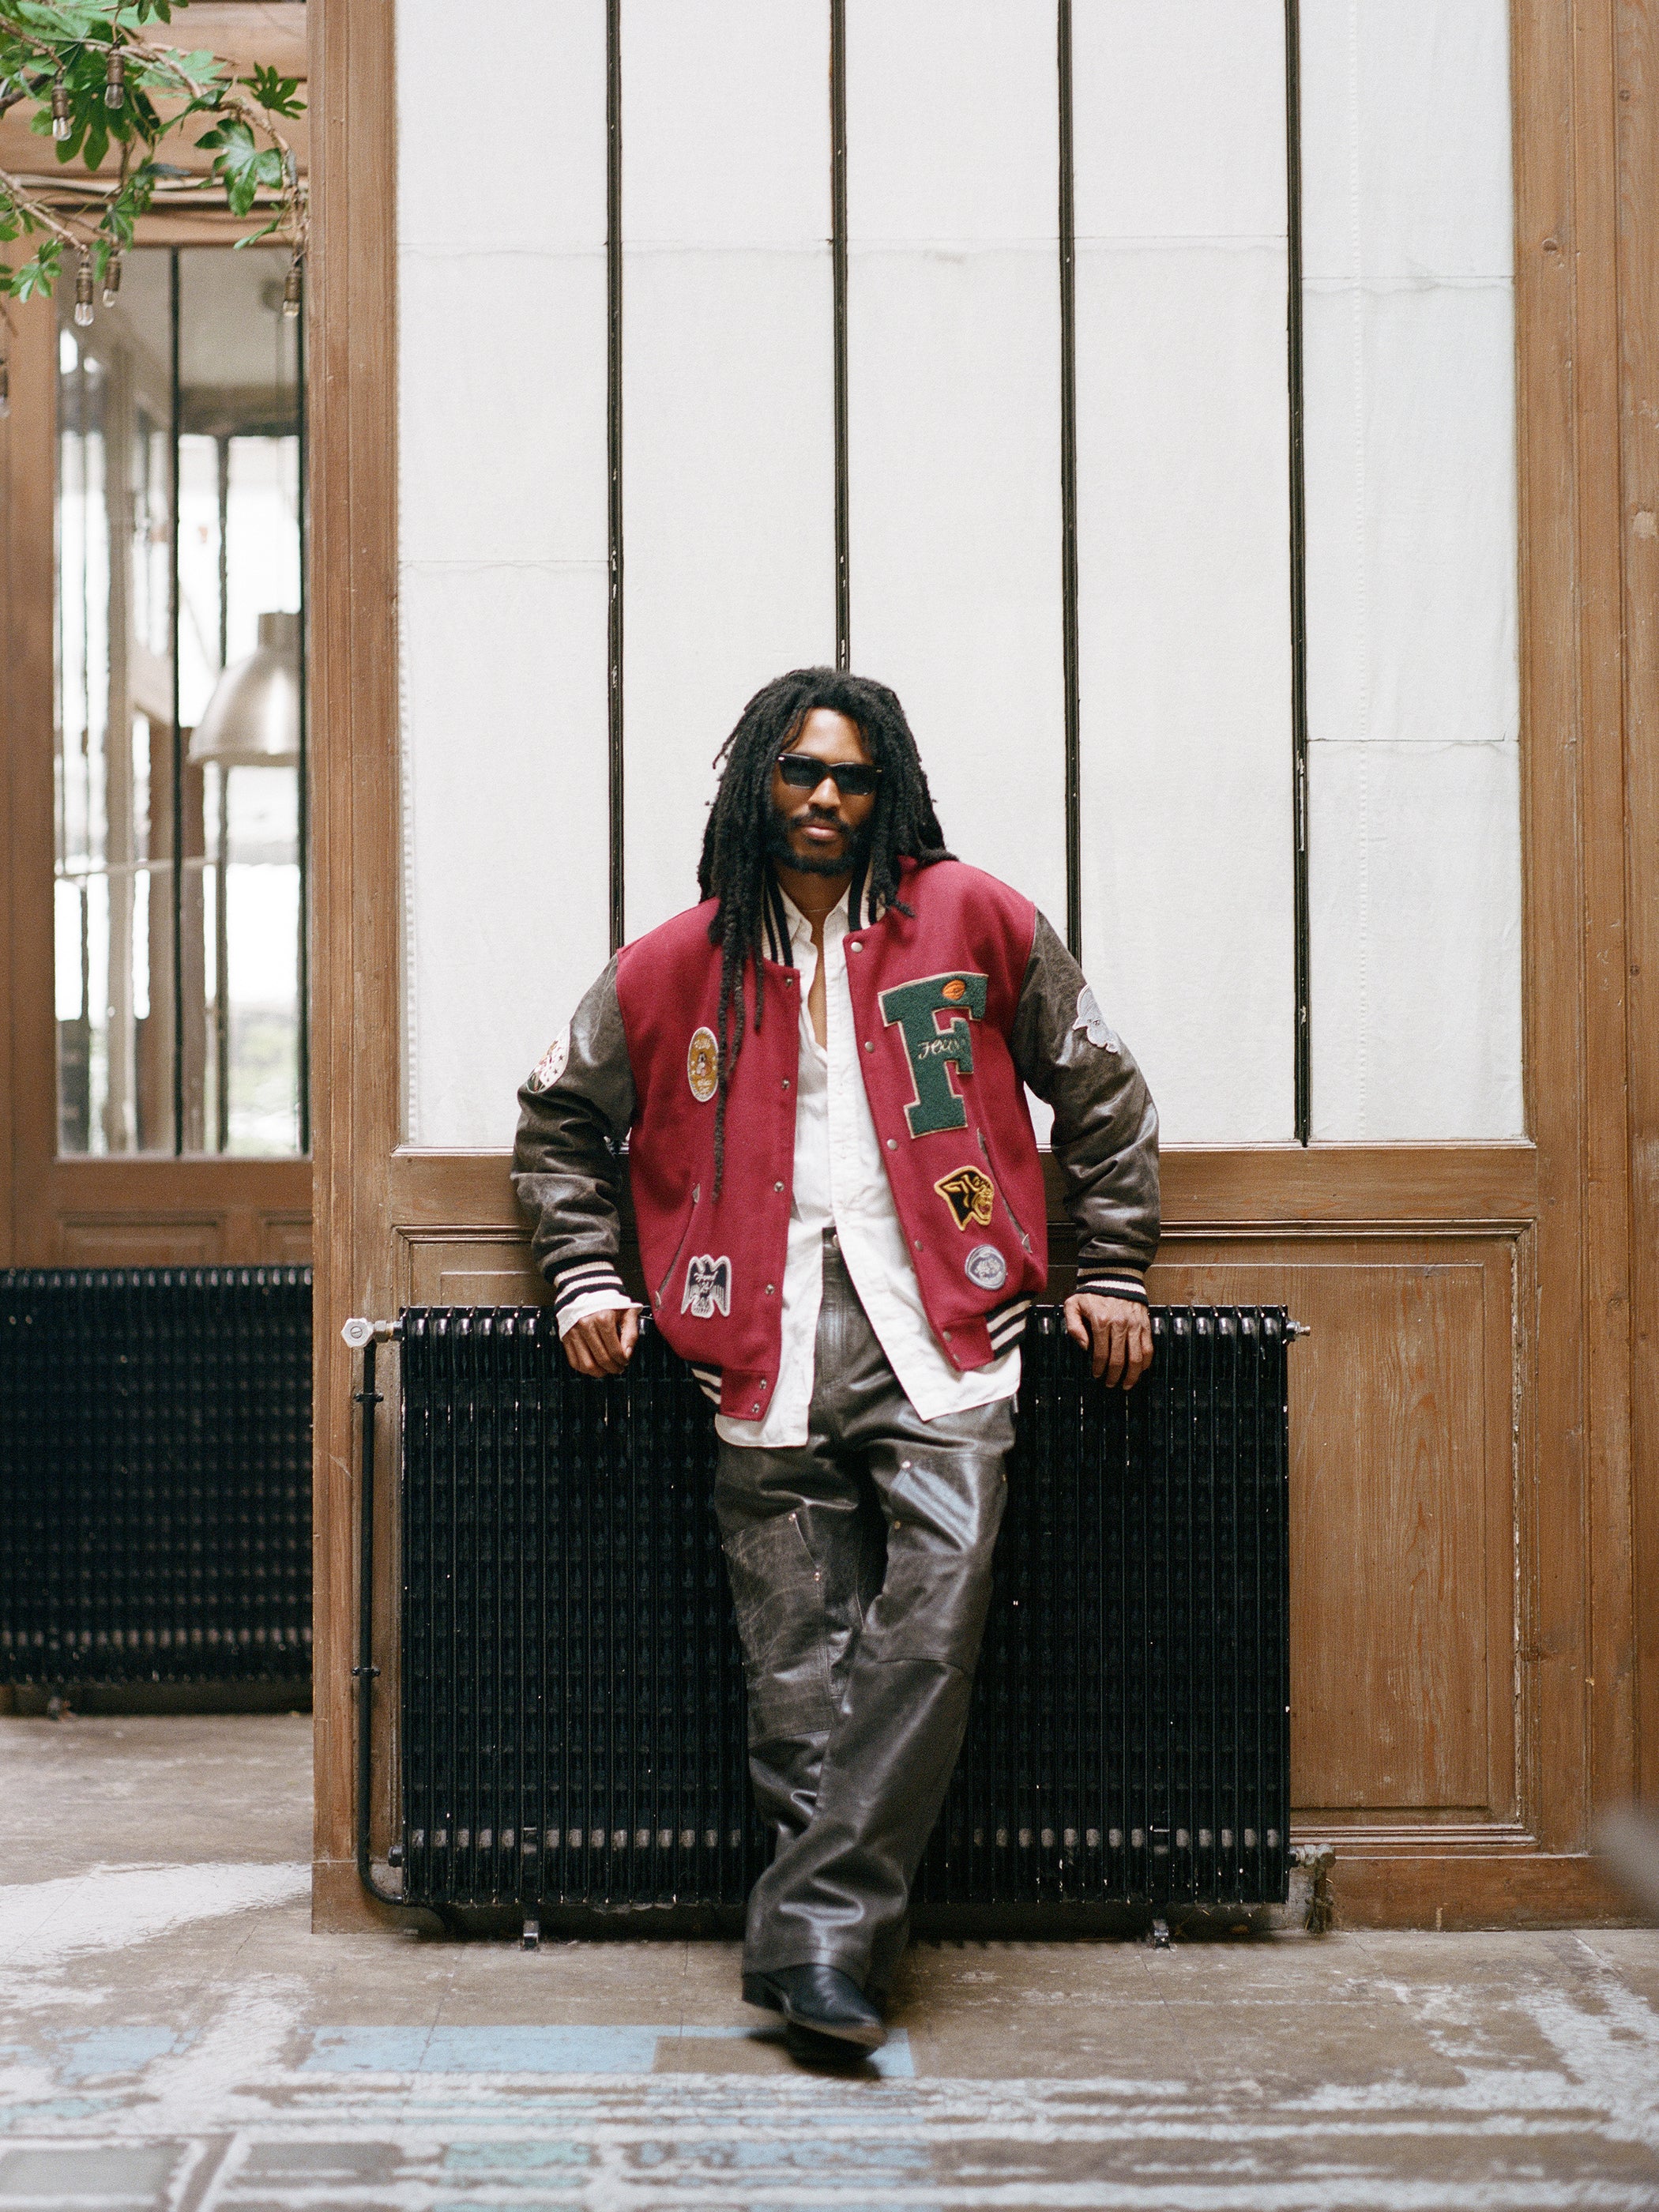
800, 930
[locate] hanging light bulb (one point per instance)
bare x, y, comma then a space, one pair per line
291, 289
60, 119
115, 78
111, 277
5, 387
83, 288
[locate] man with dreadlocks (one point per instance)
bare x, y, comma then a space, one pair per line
820, 1073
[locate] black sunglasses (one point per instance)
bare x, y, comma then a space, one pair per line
852, 778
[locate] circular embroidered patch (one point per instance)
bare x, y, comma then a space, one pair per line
702, 1066
986, 1266
551, 1065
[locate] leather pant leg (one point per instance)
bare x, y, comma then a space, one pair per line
890, 1667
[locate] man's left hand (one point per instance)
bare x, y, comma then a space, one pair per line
1116, 1332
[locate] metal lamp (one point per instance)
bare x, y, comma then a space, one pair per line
253, 719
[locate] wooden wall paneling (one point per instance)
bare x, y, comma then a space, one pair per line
30, 534
1403, 1566
1547, 245
351, 305
1637, 125
1610, 1679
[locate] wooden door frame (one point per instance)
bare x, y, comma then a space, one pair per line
150, 1209
1586, 139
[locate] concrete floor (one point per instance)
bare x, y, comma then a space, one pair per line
174, 2037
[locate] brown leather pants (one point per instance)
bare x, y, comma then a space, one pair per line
861, 1568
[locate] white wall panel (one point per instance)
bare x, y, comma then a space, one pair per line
501, 438
728, 425
1415, 852
505, 797
1412, 589
1183, 554
953, 327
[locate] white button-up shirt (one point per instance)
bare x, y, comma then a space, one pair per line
840, 1183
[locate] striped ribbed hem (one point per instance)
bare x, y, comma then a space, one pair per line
1006, 1325
709, 1382
575, 1282
1108, 1283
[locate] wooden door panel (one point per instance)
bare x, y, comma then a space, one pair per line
1402, 1629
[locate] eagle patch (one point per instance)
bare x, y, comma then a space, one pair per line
970, 1194
552, 1064
708, 1286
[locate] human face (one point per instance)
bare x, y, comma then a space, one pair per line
820, 832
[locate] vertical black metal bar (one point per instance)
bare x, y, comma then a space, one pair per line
178, 752
303, 981
1299, 574
838, 280
1069, 583
365, 1669
613, 275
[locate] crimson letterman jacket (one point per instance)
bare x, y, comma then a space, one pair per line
957, 1007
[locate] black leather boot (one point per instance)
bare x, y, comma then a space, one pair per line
819, 1998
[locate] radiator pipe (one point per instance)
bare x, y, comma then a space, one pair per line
364, 1336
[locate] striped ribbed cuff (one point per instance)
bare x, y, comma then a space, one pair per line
1006, 1325
1111, 1283
589, 1286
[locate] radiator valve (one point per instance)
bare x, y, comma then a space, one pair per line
357, 1333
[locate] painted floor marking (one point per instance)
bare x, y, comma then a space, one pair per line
521, 2049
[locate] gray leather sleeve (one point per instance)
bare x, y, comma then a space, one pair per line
1105, 1123
566, 1169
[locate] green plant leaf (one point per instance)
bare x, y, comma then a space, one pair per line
274, 92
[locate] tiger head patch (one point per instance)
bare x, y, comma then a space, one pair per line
970, 1194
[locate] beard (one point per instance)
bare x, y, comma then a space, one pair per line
854, 848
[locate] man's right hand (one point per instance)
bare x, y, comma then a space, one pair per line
604, 1343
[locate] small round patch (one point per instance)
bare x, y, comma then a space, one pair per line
702, 1066
551, 1065
986, 1266
954, 990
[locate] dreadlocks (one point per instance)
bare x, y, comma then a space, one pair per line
735, 868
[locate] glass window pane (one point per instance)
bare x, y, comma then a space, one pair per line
179, 857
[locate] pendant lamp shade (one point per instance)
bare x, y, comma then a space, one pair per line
253, 719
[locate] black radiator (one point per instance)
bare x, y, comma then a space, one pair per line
572, 1688
155, 1475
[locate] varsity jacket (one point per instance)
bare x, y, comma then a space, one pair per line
957, 1005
